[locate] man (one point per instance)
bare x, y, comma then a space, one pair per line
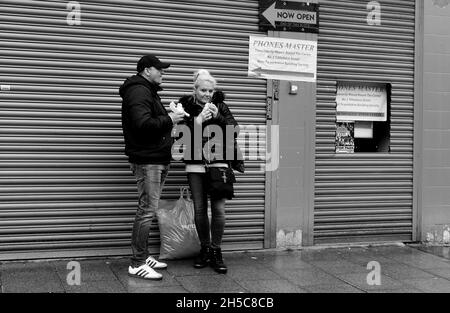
148, 142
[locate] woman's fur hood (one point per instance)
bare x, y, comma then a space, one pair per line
218, 97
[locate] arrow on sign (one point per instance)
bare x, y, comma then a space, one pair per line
273, 15
259, 72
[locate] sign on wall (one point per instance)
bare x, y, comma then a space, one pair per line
345, 141
282, 59
361, 102
289, 16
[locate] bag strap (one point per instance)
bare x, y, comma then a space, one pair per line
183, 190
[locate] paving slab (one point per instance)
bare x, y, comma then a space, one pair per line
210, 284
339, 267
415, 257
360, 281
284, 262
24, 268
19, 286
364, 257
309, 277
403, 271
416, 254
153, 290
90, 270
425, 263
48, 282
437, 285
270, 286
186, 268
239, 258
403, 290
319, 255
441, 251
337, 288
440, 272
39, 277
267, 253
96, 287
251, 272
393, 249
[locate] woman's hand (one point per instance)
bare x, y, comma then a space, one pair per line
204, 116
213, 109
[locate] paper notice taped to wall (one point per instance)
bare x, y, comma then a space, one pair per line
361, 102
282, 59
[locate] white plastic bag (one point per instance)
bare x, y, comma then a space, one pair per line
179, 238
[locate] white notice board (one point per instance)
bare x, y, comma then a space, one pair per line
361, 102
282, 59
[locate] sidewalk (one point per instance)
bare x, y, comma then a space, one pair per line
403, 270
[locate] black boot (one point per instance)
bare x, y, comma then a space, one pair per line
202, 259
216, 261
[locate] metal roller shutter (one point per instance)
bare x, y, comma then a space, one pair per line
365, 197
65, 184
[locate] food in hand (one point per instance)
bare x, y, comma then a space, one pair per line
178, 108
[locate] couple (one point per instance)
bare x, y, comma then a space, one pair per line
147, 129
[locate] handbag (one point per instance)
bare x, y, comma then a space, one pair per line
178, 234
220, 182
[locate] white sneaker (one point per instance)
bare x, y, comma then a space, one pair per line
145, 272
155, 264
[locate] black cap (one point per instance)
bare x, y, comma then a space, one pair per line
149, 61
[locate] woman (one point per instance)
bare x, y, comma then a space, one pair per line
203, 113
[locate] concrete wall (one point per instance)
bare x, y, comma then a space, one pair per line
436, 123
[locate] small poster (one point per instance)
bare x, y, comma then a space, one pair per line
345, 137
361, 102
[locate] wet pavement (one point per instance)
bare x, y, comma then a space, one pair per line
402, 269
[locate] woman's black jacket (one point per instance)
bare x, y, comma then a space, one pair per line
213, 147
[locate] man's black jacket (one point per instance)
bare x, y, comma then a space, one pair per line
145, 122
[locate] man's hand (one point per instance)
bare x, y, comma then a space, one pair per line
176, 117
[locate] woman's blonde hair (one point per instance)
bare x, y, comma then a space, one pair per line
202, 76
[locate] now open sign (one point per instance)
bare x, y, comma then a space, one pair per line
289, 16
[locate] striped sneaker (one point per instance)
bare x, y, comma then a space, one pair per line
155, 264
144, 272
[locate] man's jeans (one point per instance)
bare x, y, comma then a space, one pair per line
150, 181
